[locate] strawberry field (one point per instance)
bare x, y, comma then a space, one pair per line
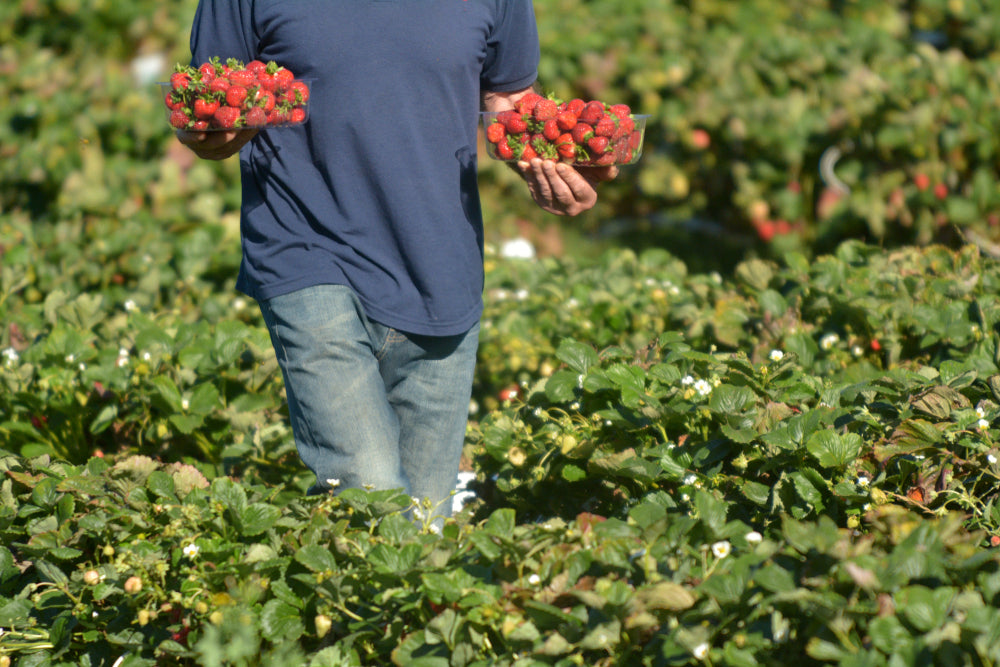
745, 412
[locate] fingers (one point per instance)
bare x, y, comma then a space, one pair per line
215, 145
560, 189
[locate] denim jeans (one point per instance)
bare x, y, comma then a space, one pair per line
370, 405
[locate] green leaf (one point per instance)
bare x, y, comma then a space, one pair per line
281, 622
161, 484
561, 386
712, 512
834, 450
501, 523
231, 494
258, 518
572, 473
317, 558
925, 608
729, 400
580, 357
775, 578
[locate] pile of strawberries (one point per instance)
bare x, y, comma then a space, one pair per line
583, 133
217, 96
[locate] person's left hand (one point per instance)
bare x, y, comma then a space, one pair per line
562, 189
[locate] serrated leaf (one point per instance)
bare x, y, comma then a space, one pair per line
281, 622
317, 558
258, 518
580, 357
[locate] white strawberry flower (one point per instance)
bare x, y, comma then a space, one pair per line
701, 651
722, 549
753, 537
777, 355
191, 550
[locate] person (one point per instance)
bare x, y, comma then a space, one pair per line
361, 230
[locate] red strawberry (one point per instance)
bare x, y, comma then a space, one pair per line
575, 106
256, 67
297, 116
592, 112
528, 153
264, 99
526, 103
174, 100
256, 117
620, 110
566, 120
180, 79
219, 85
566, 147
513, 121
242, 77
597, 145
635, 140
625, 127
236, 96
550, 130
297, 93
179, 118
208, 72
606, 159
504, 150
495, 132
545, 109
284, 78
205, 108
605, 127
278, 116
227, 117
581, 132
200, 125
267, 79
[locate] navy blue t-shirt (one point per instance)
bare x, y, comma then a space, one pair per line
378, 189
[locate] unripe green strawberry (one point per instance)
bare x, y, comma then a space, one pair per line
323, 624
133, 585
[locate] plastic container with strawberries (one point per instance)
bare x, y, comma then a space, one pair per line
582, 133
234, 95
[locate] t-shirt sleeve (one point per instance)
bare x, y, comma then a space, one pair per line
223, 28
512, 50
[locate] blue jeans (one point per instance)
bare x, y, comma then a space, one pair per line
370, 405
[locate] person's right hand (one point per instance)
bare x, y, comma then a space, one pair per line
216, 145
